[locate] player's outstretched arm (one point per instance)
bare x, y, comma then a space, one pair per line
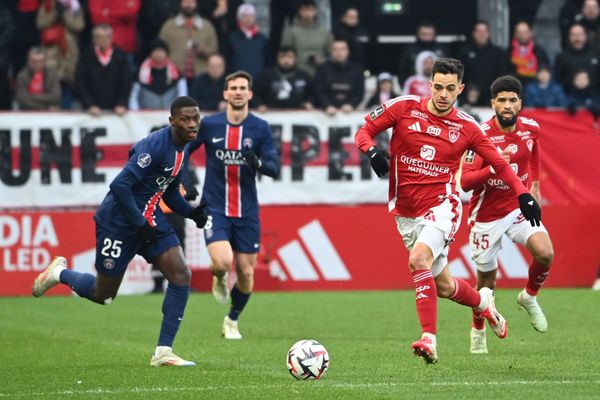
529, 207
473, 173
175, 200
120, 187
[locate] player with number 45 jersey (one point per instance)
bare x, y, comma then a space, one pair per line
129, 221
495, 210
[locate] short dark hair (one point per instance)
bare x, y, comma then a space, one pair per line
238, 74
286, 49
445, 65
506, 83
181, 102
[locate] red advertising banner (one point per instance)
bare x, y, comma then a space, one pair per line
306, 248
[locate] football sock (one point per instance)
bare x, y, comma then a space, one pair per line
172, 308
238, 302
537, 276
478, 320
465, 294
426, 299
79, 282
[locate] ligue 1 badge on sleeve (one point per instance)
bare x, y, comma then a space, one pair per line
376, 112
144, 160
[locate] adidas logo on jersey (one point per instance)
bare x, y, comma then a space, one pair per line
415, 127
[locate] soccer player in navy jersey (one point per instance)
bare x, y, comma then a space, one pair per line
129, 222
238, 146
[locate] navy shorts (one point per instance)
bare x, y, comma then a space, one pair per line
116, 247
242, 233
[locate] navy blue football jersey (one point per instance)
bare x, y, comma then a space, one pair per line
156, 163
229, 184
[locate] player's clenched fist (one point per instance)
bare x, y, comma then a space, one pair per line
199, 216
379, 161
147, 233
530, 209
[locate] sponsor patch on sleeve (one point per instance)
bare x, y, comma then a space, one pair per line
470, 157
144, 160
376, 112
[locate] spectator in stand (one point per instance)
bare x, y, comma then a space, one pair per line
418, 84
544, 92
577, 55
7, 30
566, 17
153, 14
191, 38
583, 95
483, 62
103, 77
525, 54
26, 32
60, 22
222, 15
122, 16
589, 18
283, 86
247, 46
384, 91
426, 40
159, 81
339, 82
38, 86
207, 89
349, 29
310, 41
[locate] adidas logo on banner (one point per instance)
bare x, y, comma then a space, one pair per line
320, 255
415, 127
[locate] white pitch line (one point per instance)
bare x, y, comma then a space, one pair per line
134, 390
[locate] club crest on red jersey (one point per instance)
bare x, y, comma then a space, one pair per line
529, 144
453, 135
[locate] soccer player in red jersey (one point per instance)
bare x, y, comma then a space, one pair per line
494, 209
428, 140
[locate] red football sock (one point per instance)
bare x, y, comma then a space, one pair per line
478, 320
426, 299
465, 294
537, 276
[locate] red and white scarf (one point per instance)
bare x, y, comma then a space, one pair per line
36, 85
105, 56
145, 75
249, 32
524, 58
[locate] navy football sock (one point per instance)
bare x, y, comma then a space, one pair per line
238, 302
173, 307
81, 283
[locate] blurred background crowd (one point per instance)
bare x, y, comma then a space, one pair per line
332, 55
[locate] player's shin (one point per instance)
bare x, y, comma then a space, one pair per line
239, 300
81, 283
538, 274
426, 299
173, 307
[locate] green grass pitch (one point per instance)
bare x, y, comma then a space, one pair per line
68, 348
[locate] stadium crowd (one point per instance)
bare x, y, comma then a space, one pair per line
115, 55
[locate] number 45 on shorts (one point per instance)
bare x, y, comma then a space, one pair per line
481, 242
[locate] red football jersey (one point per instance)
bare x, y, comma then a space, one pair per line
492, 197
426, 151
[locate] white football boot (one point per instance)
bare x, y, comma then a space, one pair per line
494, 318
164, 356
50, 277
220, 290
230, 329
536, 315
478, 341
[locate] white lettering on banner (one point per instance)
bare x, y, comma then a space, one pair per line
25, 259
322, 251
321, 164
21, 232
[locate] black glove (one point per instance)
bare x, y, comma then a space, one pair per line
147, 233
530, 209
379, 161
250, 158
192, 194
199, 216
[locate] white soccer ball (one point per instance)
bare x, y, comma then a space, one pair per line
307, 360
